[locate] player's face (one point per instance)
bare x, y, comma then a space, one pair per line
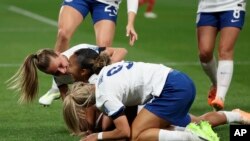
74, 68
58, 65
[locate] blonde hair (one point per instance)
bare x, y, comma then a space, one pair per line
79, 97
25, 80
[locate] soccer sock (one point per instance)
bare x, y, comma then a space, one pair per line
224, 76
54, 85
210, 69
167, 135
179, 128
232, 117
150, 6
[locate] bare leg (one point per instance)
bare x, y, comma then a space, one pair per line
69, 20
104, 31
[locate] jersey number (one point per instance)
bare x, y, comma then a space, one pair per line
118, 68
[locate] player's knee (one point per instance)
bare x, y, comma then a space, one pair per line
63, 35
205, 56
104, 43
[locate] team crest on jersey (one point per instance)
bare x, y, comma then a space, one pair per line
68, 0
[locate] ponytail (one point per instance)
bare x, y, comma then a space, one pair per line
101, 61
25, 80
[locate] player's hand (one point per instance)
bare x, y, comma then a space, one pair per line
131, 33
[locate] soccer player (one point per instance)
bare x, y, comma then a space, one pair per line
227, 18
167, 99
149, 10
104, 15
46, 60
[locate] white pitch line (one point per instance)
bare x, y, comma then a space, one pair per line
32, 15
9, 65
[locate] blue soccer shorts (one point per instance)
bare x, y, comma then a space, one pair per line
99, 11
175, 100
233, 18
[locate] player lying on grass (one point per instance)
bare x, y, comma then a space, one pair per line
46, 60
166, 93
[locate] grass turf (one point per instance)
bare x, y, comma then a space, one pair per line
170, 39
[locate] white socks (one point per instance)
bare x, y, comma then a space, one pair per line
232, 117
54, 85
220, 77
224, 76
210, 69
167, 135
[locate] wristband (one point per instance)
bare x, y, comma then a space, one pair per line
99, 136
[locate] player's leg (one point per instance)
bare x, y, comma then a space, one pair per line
148, 126
231, 24
104, 18
224, 117
149, 10
50, 95
206, 34
70, 17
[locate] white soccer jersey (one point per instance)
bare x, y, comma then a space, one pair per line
128, 84
221, 5
67, 79
73, 49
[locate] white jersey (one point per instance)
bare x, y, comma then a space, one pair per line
67, 79
128, 84
73, 49
221, 5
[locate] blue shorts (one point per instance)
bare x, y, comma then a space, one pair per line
234, 18
175, 100
99, 11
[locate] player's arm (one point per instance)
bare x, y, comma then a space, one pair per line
121, 131
132, 6
116, 54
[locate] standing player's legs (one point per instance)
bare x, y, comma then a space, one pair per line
207, 30
104, 32
104, 17
231, 23
69, 19
225, 64
206, 44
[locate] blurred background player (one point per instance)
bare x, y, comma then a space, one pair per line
227, 18
149, 10
104, 16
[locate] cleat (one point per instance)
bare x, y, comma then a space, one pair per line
48, 98
196, 130
150, 15
211, 95
245, 116
217, 104
205, 126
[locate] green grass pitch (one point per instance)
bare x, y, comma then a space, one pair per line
170, 39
